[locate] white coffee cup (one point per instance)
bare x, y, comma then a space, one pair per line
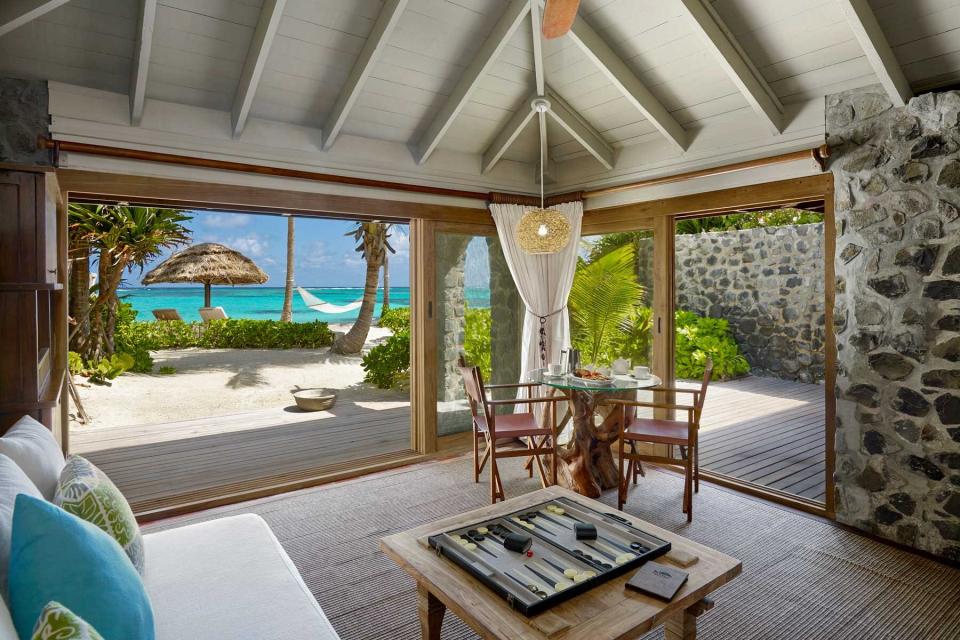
641, 373
555, 369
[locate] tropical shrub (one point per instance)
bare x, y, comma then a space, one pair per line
476, 341
395, 318
223, 334
387, 365
699, 338
102, 370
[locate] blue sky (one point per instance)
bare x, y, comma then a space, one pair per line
325, 257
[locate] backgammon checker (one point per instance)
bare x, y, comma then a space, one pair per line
548, 553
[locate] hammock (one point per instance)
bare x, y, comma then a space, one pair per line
317, 304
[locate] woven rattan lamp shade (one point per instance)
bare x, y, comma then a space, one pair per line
543, 231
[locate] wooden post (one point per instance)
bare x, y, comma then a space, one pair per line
423, 337
206, 294
664, 248
431, 612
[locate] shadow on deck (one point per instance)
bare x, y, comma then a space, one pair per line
766, 431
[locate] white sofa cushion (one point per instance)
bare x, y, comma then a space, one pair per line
228, 579
7, 630
34, 449
13, 481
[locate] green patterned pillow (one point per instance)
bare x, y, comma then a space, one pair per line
59, 623
86, 492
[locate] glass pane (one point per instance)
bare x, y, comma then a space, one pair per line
479, 314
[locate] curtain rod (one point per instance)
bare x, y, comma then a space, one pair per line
818, 155
243, 167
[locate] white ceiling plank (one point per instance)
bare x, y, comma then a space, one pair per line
16, 13
376, 43
141, 60
509, 22
505, 138
535, 22
875, 46
580, 130
257, 54
620, 75
735, 62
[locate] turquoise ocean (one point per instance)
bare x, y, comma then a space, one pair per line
266, 303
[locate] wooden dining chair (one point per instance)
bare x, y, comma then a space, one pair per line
682, 434
501, 433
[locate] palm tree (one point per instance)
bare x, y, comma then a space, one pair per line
603, 299
124, 237
287, 314
79, 254
386, 284
373, 246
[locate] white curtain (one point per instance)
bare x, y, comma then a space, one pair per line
543, 282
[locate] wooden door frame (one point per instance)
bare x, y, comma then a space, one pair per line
661, 215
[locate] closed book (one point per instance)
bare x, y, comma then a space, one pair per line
658, 580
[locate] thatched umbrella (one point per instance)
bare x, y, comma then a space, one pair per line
208, 263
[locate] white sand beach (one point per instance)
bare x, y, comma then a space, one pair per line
214, 382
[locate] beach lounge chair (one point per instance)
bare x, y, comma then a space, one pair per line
167, 314
213, 313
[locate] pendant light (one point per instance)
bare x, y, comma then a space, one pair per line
542, 231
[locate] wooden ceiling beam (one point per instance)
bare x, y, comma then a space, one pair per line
735, 62
506, 136
141, 60
874, 43
376, 43
587, 136
622, 77
481, 62
535, 23
256, 61
16, 13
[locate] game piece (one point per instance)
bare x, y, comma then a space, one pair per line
517, 542
585, 531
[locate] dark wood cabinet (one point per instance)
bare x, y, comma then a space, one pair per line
33, 351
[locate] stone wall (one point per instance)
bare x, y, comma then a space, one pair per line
897, 177
23, 118
768, 283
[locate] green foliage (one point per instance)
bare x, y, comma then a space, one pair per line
396, 319
750, 220
476, 342
75, 363
698, 338
224, 334
103, 370
637, 337
167, 371
387, 365
602, 301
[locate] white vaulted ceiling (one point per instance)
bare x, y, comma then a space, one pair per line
436, 90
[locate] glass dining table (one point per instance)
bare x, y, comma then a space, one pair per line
586, 462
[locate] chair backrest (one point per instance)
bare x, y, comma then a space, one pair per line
213, 313
476, 396
167, 314
707, 375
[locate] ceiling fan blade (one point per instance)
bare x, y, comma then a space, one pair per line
558, 17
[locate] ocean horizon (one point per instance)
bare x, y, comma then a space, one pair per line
266, 303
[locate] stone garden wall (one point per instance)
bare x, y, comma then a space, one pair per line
897, 177
23, 117
768, 283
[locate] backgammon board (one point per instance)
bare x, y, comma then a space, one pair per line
555, 565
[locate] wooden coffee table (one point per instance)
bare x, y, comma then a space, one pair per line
607, 612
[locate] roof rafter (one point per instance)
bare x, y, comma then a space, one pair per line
874, 43
141, 60
510, 132
535, 23
16, 13
620, 75
489, 51
376, 43
735, 62
587, 136
257, 55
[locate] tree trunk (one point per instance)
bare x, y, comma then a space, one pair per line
80, 294
287, 314
103, 312
352, 342
386, 284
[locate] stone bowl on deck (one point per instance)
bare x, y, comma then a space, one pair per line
314, 399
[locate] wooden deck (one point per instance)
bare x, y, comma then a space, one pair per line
157, 463
766, 431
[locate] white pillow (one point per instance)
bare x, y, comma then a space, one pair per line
34, 449
7, 632
13, 481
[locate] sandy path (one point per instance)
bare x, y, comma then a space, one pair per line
211, 382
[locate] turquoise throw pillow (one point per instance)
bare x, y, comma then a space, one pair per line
56, 556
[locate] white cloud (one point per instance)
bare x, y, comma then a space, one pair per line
315, 255
400, 241
224, 220
252, 245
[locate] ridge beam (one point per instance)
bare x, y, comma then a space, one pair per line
482, 61
376, 42
738, 67
875, 46
256, 61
